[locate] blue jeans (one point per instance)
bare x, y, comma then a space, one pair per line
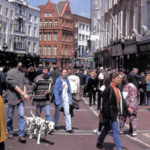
46, 111
116, 134
21, 119
66, 113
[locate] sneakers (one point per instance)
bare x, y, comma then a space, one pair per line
10, 136
95, 131
22, 139
134, 133
121, 132
100, 146
70, 131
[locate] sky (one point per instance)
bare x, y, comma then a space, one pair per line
79, 7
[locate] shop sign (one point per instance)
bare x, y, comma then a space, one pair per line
144, 48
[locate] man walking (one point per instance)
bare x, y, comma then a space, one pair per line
62, 93
16, 94
42, 87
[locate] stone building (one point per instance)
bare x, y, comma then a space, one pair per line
81, 38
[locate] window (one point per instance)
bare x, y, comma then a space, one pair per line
50, 23
87, 28
80, 26
50, 14
34, 47
40, 23
55, 36
19, 42
83, 37
29, 30
40, 36
30, 18
80, 37
45, 50
83, 26
55, 50
46, 23
5, 28
29, 46
46, 14
49, 36
34, 31
11, 14
56, 23
49, 50
45, 37
35, 19
7, 12
40, 50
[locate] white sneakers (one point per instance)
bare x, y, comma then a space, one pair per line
95, 131
134, 133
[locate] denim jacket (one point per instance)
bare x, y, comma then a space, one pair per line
58, 91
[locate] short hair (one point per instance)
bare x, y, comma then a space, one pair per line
62, 69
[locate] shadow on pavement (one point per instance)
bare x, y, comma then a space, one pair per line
111, 146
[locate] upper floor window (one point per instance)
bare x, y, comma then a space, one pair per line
45, 50
49, 50
6, 12
30, 18
45, 37
56, 23
46, 23
40, 23
49, 36
55, 36
50, 23
11, 14
48, 14
55, 50
40, 36
35, 19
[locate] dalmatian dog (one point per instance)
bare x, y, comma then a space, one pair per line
38, 126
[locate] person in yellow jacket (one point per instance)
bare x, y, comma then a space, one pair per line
2, 125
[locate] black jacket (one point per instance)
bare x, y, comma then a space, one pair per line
109, 109
92, 83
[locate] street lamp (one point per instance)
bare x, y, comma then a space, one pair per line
5, 46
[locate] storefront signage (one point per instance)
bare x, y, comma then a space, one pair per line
144, 48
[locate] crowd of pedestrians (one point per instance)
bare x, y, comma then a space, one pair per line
116, 95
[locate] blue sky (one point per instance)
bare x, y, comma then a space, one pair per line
80, 7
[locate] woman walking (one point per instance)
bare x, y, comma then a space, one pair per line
130, 96
113, 104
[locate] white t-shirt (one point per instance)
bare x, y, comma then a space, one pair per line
65, 91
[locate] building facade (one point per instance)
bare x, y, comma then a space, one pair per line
7, 14
121, 25
81, 39
26, 28
56, 34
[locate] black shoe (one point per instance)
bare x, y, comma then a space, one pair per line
56, 128
22, 139
100, 146
70, 131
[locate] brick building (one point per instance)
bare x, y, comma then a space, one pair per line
56, 34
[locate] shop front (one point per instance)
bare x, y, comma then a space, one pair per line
117, 56
107, 59
131, 59
144, 54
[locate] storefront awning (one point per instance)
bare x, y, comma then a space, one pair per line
117, 50
49, 59
130, 49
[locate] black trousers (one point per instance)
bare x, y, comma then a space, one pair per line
2, 146
99, 100
92, 95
